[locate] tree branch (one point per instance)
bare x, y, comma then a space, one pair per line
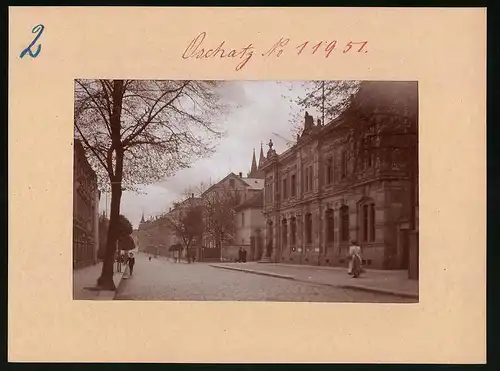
96, 154
152, 116
108, 124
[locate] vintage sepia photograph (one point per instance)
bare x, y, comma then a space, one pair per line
278, 191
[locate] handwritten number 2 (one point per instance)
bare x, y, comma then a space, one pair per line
38, 30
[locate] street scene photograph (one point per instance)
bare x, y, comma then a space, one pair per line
284, 191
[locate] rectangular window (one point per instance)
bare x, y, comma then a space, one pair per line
344, 217
306, 181
242, 219
369, 150
284, 191
329, 171
365, 222
369, 161
310, 178
330, 226
307, 178
269, 190
293, 186
308, 225
372, 222
344, 164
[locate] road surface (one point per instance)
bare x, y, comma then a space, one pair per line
160, 279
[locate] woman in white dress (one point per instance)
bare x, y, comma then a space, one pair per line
354, 257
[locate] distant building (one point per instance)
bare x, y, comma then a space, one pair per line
153, 236
85, 209
321, 193
242, 189
156, 235
250, 225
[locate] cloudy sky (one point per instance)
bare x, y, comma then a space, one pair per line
261, 111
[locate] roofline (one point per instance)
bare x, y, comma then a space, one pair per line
223, 179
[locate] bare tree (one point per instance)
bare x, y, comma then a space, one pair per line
328, 98
186, 222
141, 131
219, 214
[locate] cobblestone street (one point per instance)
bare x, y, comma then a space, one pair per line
160, 279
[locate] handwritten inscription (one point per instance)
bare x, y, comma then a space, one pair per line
199, 49
38, 29
196, 49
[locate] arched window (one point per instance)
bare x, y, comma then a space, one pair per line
344, 223
308, 226
284, 232
329, 218
293, 231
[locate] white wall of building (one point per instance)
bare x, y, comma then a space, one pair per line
247, 221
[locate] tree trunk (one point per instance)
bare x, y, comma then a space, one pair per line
105, 281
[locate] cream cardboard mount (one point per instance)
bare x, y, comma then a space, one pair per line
443, 49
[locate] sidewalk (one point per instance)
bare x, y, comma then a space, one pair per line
84, 278
379, 281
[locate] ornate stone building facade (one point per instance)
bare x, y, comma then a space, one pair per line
344, 181
85, 209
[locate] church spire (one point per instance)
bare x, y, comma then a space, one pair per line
142, 219
254, 164
261, 157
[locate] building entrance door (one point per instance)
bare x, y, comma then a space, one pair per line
403, 249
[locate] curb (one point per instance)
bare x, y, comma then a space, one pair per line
109, 294
349, 287
255, 272
380, 291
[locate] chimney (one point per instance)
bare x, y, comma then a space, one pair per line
241, 174
309, 121
192, 195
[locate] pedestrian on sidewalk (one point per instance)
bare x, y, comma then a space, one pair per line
244, 255
131, 262
354, 253
240, 255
